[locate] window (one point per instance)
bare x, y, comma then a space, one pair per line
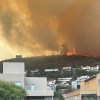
89, 97
32, 87
18, 83
27, 87
99, 83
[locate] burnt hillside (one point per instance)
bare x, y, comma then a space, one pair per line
54, 61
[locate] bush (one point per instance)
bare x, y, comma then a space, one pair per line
10, 91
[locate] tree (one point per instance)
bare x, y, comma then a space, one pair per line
58, 96
29, 73
10, 91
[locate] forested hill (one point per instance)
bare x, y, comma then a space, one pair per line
54, 61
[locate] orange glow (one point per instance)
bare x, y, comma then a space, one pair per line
70, 53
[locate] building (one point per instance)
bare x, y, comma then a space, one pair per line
76, 83
96, 68
36, 87
18, 56
52, 85
64, 79
88, 68
35, 71
51, 70
67, 68
89, 90
51, 82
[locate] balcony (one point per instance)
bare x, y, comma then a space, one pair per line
40, 92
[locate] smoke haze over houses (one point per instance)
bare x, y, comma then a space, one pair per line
40, 27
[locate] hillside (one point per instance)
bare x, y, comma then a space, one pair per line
54, 61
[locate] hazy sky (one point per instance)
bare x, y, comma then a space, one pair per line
41, 27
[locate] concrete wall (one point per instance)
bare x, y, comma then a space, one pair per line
76, 97
13, 68
40, 86
74, 85
71, 94
89, 85
13, 78
40, 83
40, 93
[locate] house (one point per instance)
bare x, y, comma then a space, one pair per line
76, 83
36, 87
64, 79
89, 90
51, 70
95, 68
67, 68
89, 68
35, 71
52, 85
51, 82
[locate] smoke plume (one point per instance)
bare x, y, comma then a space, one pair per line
42, 27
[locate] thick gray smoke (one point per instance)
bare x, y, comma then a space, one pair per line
42, 26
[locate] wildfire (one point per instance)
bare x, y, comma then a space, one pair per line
70, 53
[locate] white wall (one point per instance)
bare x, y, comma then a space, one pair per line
40, 93
13, 68
74, 84
40, 86
40, 83
13, 78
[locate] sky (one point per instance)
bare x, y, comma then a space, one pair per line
45, 27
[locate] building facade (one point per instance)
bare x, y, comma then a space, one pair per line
89, 90
76, 83
36, 87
